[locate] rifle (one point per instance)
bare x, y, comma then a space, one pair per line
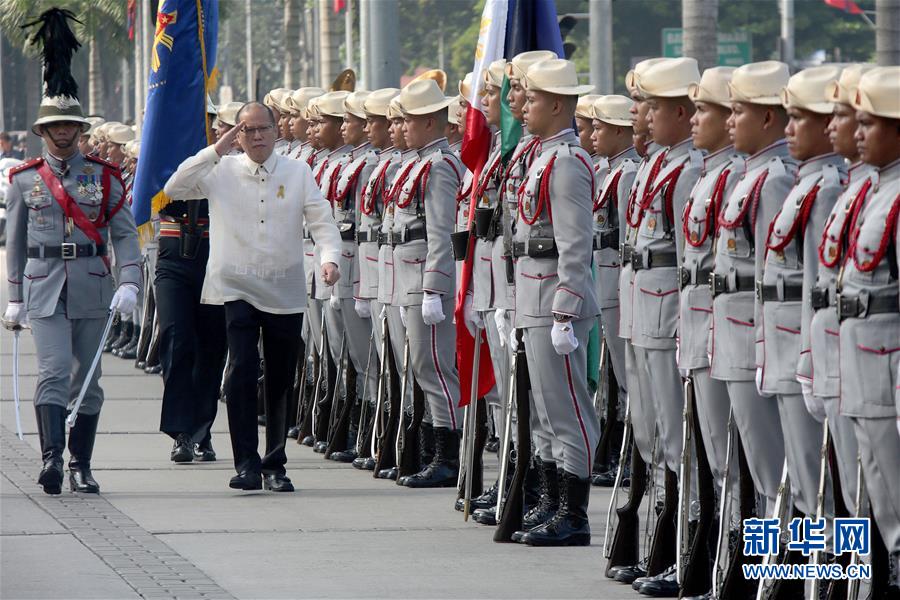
340, 432
506, 435
364, 427
611, 512
469, 428
625, 548
386, 457
682, 533
721, 560
768, 587
378, 423
816, 558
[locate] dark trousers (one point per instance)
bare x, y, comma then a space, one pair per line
192, 343
282, 344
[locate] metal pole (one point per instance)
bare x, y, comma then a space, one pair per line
440, 46
248, 36
348, 35
126, 101
887, 32
384, 22
601, 49
364, 68
787, 31
138, 73
147, 24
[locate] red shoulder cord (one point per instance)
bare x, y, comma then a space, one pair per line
418, 186
464, 194
340, 196
543, 196
401, 179
846, 226
332, 184
321, 172
889, 224
712, 211
612, 193
634, 220
367, 204
486, 178
525, 150
752, 199
799, 221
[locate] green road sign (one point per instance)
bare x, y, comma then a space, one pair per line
735, 47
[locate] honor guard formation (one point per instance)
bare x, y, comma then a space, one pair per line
688, 294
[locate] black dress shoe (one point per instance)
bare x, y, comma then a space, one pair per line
629, 573
364, 464
390, 473
663, 587
638, 584
320, 447
343, 456
204, 453
485, 516
153, 369
486, 500
492, 445
278, 482
308, 441
182, 449
141, 364
248, 480
294, 432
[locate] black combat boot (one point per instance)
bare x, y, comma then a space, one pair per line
444, 468
124, 337
51, 423
569, 526
548, 501
426, 443
113, 335
81, 447
129, 351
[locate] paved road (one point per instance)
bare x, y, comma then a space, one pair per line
161, 530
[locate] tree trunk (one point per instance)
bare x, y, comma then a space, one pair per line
329, 43
887, 32
291, 42
95, 79
699, 19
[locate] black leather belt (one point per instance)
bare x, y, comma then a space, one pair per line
67, 251
348, 230
718, 284
818, 298
770, 293
857, 307
367, 236
536, 248
625, 253
686, 279
654, 260
406, 235
609, 239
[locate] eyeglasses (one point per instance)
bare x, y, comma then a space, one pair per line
252, 131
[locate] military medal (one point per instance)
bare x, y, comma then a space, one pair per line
88, 170
731, 244
832, 252
651, 224
694, 237
779, 256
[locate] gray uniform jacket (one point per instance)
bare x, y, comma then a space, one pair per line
327, 173
870, 343
487, 192
822, 360
555, 203
791, 265
36, 220
657, 218
463, 200
347, 192
512, 177
371, 212
627, 240
312, 158
427, 200
737, 334
398, 171
609, 215
720, 174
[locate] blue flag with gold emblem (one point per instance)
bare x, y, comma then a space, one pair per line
182, 64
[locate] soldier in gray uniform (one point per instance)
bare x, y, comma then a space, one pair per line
64, 210
789, 273
757, 128
612, 139
555, 300
820, 348
869, 310
425, 272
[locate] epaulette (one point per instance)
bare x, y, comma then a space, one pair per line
34, 162
696, 158
777, 168
100, 161
628, 165
831, 176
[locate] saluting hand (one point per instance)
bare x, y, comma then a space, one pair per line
224, 145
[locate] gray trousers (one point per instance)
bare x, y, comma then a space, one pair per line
803, 446
879, 452
432, 352
314, 318
358, 332
846, 450
609, 323
500, 360
659, 369
643, 421
334, 329
758, 422
712, 406
65, 348
562, 398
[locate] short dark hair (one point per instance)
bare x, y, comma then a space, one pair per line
249, 105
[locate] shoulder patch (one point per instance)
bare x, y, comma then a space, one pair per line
34, 162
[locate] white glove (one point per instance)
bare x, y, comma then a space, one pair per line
432, 309
403, 315
513, 340
472, 318
125, 298
334, 302
759, 381
815, 406
677, 351
898, 426
563, 337
363, 308
15, 316
503, 327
